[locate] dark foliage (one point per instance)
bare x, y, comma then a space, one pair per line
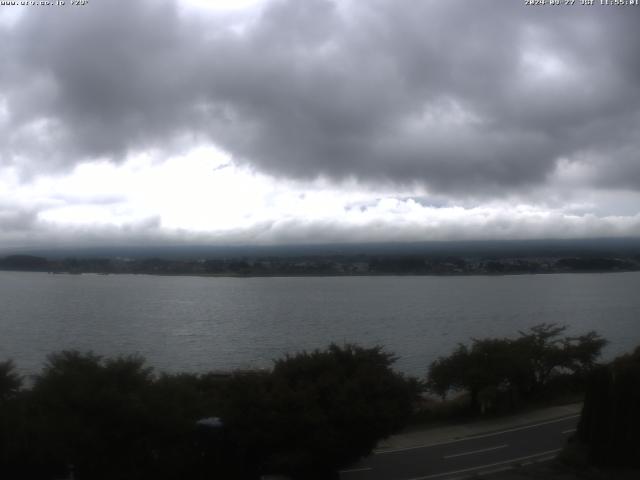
114, 419
610, 419
24, 262
10, 381
332, 407
392, 260
594, 264
490, 369
91, 414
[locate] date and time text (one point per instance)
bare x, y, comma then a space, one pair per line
620, 3
46, 3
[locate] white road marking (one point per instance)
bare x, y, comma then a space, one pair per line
489, 465
473, 437
353, 470
476, 451
571, 430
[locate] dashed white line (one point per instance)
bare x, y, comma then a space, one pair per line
571, 430
488, 449
473, 437
353, 470
489, 465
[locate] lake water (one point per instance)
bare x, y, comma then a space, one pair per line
197, 324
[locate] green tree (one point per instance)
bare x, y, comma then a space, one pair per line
319, 411
550, 354
520, 367
10, 381
313, 413
483, 369
542, 345
92, 413
610, 419
449, 373
10, 416
582, 352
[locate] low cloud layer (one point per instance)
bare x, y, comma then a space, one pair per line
467, 101
183, 200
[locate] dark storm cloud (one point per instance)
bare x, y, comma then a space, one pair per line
97, 81
476, 96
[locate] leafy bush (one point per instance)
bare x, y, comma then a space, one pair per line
319, 411
114, 419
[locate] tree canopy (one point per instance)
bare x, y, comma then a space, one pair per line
610, 422
520, 367
113, 418
10, 381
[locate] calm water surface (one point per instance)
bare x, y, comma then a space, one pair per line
196, 324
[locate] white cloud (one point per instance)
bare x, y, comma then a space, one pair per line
202, 196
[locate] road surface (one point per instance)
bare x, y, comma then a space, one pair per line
465, 457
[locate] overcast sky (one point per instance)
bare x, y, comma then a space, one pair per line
289, 121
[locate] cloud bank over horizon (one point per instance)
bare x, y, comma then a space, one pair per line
318, 121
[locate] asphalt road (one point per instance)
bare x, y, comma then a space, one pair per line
465, 457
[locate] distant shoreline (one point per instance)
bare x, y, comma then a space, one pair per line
327, 265
321, 275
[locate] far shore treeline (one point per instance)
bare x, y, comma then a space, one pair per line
311, 414
355, 264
